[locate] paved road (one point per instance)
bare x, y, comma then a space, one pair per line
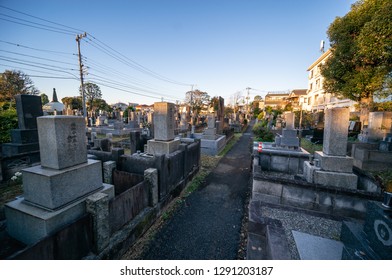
208, 225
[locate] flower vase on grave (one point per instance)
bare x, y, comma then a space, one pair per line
387, 203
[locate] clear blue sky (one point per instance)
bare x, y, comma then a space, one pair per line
219, 46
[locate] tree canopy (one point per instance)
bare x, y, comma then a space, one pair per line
92, 92
360, 65
198, 100
13, 83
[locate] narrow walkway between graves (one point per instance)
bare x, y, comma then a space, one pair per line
208, 225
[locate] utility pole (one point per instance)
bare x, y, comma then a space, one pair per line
247, 101
78, 38
191, 105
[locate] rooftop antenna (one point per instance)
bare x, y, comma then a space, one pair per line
322, 44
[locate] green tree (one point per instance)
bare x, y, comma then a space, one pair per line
75, 103
13, 83
44, 98
360, 64
8, 121
92, 92
197, 100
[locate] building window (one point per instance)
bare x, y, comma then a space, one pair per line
317, 84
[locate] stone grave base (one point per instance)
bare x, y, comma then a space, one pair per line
279, 159
314, 174
212, 147
29, 224
334, 163
13, 149
371, 160
155, 147
53, 188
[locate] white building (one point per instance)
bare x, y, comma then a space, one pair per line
317, 99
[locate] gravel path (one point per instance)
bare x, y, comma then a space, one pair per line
208, 225
303, 222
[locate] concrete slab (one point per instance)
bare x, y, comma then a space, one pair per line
311, 247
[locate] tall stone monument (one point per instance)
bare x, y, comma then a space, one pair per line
164, 124
331, 166
55, 191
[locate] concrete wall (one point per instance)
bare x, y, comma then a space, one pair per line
290, 162
173, 169
341, 202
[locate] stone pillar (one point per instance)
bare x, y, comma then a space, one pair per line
108, 167
151, 179
62, 141
164, 121
290, 119
135, 141
333, 167
336, 131
98, 206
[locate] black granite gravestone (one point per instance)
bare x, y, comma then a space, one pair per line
371, 241
29, 107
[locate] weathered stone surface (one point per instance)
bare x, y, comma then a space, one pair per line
155, 147
213, 146
290, 119
335, 179
289, 142
267, 187
380, 123
30, 224
290, 133
164, 121
211, 121
151, 179
62, 141
53, 188
334, 163
108, 167
309, 170
336, 131
98, 206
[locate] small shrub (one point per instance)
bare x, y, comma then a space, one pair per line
262, 133
8, 121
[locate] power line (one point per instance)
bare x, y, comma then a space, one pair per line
36, 49
102, 79
112, 72
29, 25
34, 65
129, 62
44, 26
96, 43
45, 20
36, 57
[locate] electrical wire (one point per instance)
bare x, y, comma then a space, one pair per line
45, 20
93, 41
134, 64
36, 57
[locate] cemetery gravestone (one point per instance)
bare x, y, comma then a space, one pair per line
333, 167
55, 191
164, 123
